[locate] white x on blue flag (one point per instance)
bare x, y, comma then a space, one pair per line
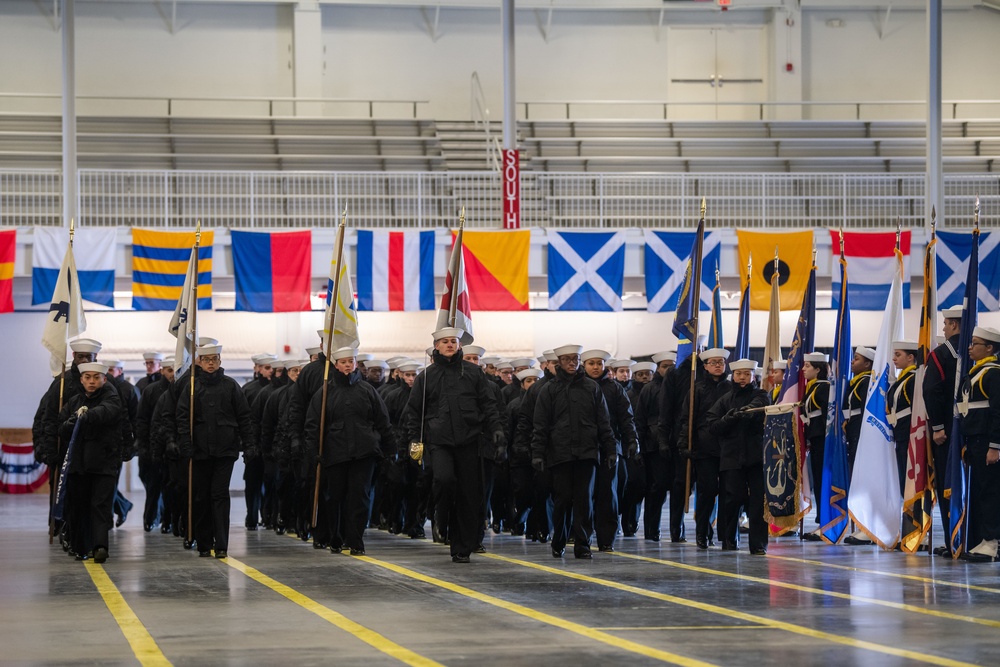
667, 255
586, 270
953, 250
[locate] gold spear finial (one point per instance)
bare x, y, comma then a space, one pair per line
72, 230
842, 243
197, 232
343, 217
899, 230
749, 264
461, 218
976, 215
704, 207
933, 222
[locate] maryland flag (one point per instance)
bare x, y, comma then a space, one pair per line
795, 250
918, 491
496, 268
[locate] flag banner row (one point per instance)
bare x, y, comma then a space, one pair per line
585, 269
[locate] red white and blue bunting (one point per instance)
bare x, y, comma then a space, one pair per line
19, 472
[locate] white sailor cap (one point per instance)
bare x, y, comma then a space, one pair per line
779, 365
314, 350
490, 361
529, 373
321, 333
714, 353
987, 333
473, 349
527, 362
208, 350
267, 360
114, 363
595, 354
377, 363
364, 357
344, 353
906, 345
550, 355
816, 357
448, 332
743, 365
85, 345
409, 366
429, 351
93, 367
567, 349
152, 356
505, 366
257, 357
666, 355
954, 313
283, 363
295, 363
167, 362
396, 362
644, 366
623, 363
205, 340
866, 352
542, 359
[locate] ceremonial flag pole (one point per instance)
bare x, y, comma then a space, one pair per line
957, 474
456, 308
742, 349
772, 343
715, 338
835, 485
337, 274
686, 327
193, 315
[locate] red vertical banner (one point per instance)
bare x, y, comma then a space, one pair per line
511, 189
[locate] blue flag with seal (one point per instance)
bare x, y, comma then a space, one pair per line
666, 257
836, 481
586, 270
953, 252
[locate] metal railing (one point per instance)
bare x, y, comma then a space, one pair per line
480, 112
167, 198
149, 105
813, 109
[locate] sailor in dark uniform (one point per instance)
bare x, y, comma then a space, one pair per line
776, 377
816, 370
979, 409
939, 398
899, 401
855, 396
153, 362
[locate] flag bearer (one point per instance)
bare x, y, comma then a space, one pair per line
899, 401
854, 414
816, 370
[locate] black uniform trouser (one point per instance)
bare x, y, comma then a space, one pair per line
88, 500
522, 489
177, 488
940, 453
253, 475
542, 507
416, 497
635, 490
151, 476
322, 529
458, 493
744, 488
487, 472
816, 445
269, 503
984, 493
657, 484
286, 497
901, 436
210, 480
679, 492
347, 495
708, 481
501, 503
573, 490
394, 505
606, 505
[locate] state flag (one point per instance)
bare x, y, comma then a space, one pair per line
395, 270
871, 256
586, 270
272, 270
666, 258
794, 263
953, 250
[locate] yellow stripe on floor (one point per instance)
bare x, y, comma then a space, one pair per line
142, 643
743, 616
647, 628
897, 575
582, 630
359, 631
817, 591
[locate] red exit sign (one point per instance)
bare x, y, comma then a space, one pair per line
725, 3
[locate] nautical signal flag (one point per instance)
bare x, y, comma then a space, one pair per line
586, 270
953, 249
794, 263
496, 268
272, 270
667, 256
95, 249
159, 264
8, 246
395, 270
871, 258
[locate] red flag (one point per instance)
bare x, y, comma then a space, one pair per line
456, 311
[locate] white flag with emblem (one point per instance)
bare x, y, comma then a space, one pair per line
586, 270
65, 319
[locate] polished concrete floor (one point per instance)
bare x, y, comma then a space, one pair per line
277, 601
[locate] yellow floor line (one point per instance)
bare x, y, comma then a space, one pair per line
647, 628
589, 633
142, 643
743, 616
359, 631
817, 591
897, 575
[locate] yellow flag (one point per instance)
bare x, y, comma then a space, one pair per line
795, 253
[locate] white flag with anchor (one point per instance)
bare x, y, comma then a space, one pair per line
586, 270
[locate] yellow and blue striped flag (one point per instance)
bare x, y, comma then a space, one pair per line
159, 264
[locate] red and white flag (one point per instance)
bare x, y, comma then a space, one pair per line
456, 310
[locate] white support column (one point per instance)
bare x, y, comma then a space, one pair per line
935, 168
509, 76
70, 190
786, 50
308, 58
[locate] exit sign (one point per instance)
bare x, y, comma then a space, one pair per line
725, 3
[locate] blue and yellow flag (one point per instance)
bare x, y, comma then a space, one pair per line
688, 302
159, 264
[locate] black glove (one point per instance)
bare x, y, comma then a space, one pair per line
172, 450
500, 455
538, 464
295, 449
632, 452
611, 462
82, 417
251, 454
684, 452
